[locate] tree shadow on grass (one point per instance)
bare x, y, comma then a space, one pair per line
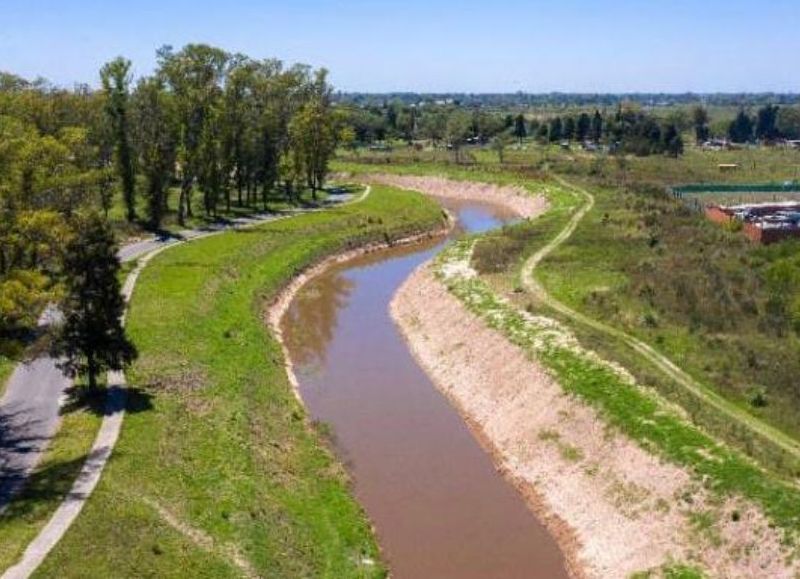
106, 401
23, 493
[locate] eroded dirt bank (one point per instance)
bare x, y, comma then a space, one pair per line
614, 508
515, 198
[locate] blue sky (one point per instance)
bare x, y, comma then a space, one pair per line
444, 45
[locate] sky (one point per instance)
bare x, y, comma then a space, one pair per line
430, 45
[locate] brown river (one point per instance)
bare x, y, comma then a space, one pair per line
440, 508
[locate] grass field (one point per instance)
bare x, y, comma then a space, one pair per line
218, 472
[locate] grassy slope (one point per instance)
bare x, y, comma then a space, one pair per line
215, 440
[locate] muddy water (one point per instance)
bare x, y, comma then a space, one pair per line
440, 508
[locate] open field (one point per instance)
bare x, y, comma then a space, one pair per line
217, 472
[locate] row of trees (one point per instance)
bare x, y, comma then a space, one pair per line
629, 128
222, 123
216, 128
769, 123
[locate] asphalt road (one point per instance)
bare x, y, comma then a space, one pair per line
30, 407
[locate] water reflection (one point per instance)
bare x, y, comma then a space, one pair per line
311, 321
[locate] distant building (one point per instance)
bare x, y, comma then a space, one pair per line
761, 222
716, 145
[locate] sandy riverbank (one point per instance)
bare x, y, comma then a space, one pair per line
614, 508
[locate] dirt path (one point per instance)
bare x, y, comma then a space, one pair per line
664, 364
615, 508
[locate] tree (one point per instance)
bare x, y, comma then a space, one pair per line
156, 138
597, 126
766, 123
582, 127
457, 131
520, 132
741, 128
499, 144
116, 80
556, 129
700, 121
569, 128
673, 143
91, 338
788, 122
314, 133
194, 74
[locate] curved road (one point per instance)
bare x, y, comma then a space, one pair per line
30, 407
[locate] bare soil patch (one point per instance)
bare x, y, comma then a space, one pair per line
615, 508
517, 199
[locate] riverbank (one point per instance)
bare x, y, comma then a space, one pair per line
616, 508
218, 469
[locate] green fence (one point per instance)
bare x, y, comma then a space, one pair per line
701, 188
699, 195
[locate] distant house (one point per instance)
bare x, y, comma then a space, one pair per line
380, 147
716, 145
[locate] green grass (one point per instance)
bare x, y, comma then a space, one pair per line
217, 459
51, 480
6, 367
636, 412
670, 571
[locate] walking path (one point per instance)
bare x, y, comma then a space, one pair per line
783, 440
42, 410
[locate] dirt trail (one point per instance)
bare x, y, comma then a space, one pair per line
614, 508
781, 439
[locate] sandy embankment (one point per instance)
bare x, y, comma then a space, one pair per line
614, 508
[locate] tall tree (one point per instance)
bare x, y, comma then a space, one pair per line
556, 129
91, 338
457, 132
700, 121
115, 76
194, 74
673, 143
314, 133
582, 127
569, 128
766, 123
156, 143
520, 132
597, 126
741, 128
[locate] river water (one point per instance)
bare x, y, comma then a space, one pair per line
439, 507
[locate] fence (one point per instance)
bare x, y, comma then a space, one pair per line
700, 195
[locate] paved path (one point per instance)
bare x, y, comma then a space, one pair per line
30, 407
111, 426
